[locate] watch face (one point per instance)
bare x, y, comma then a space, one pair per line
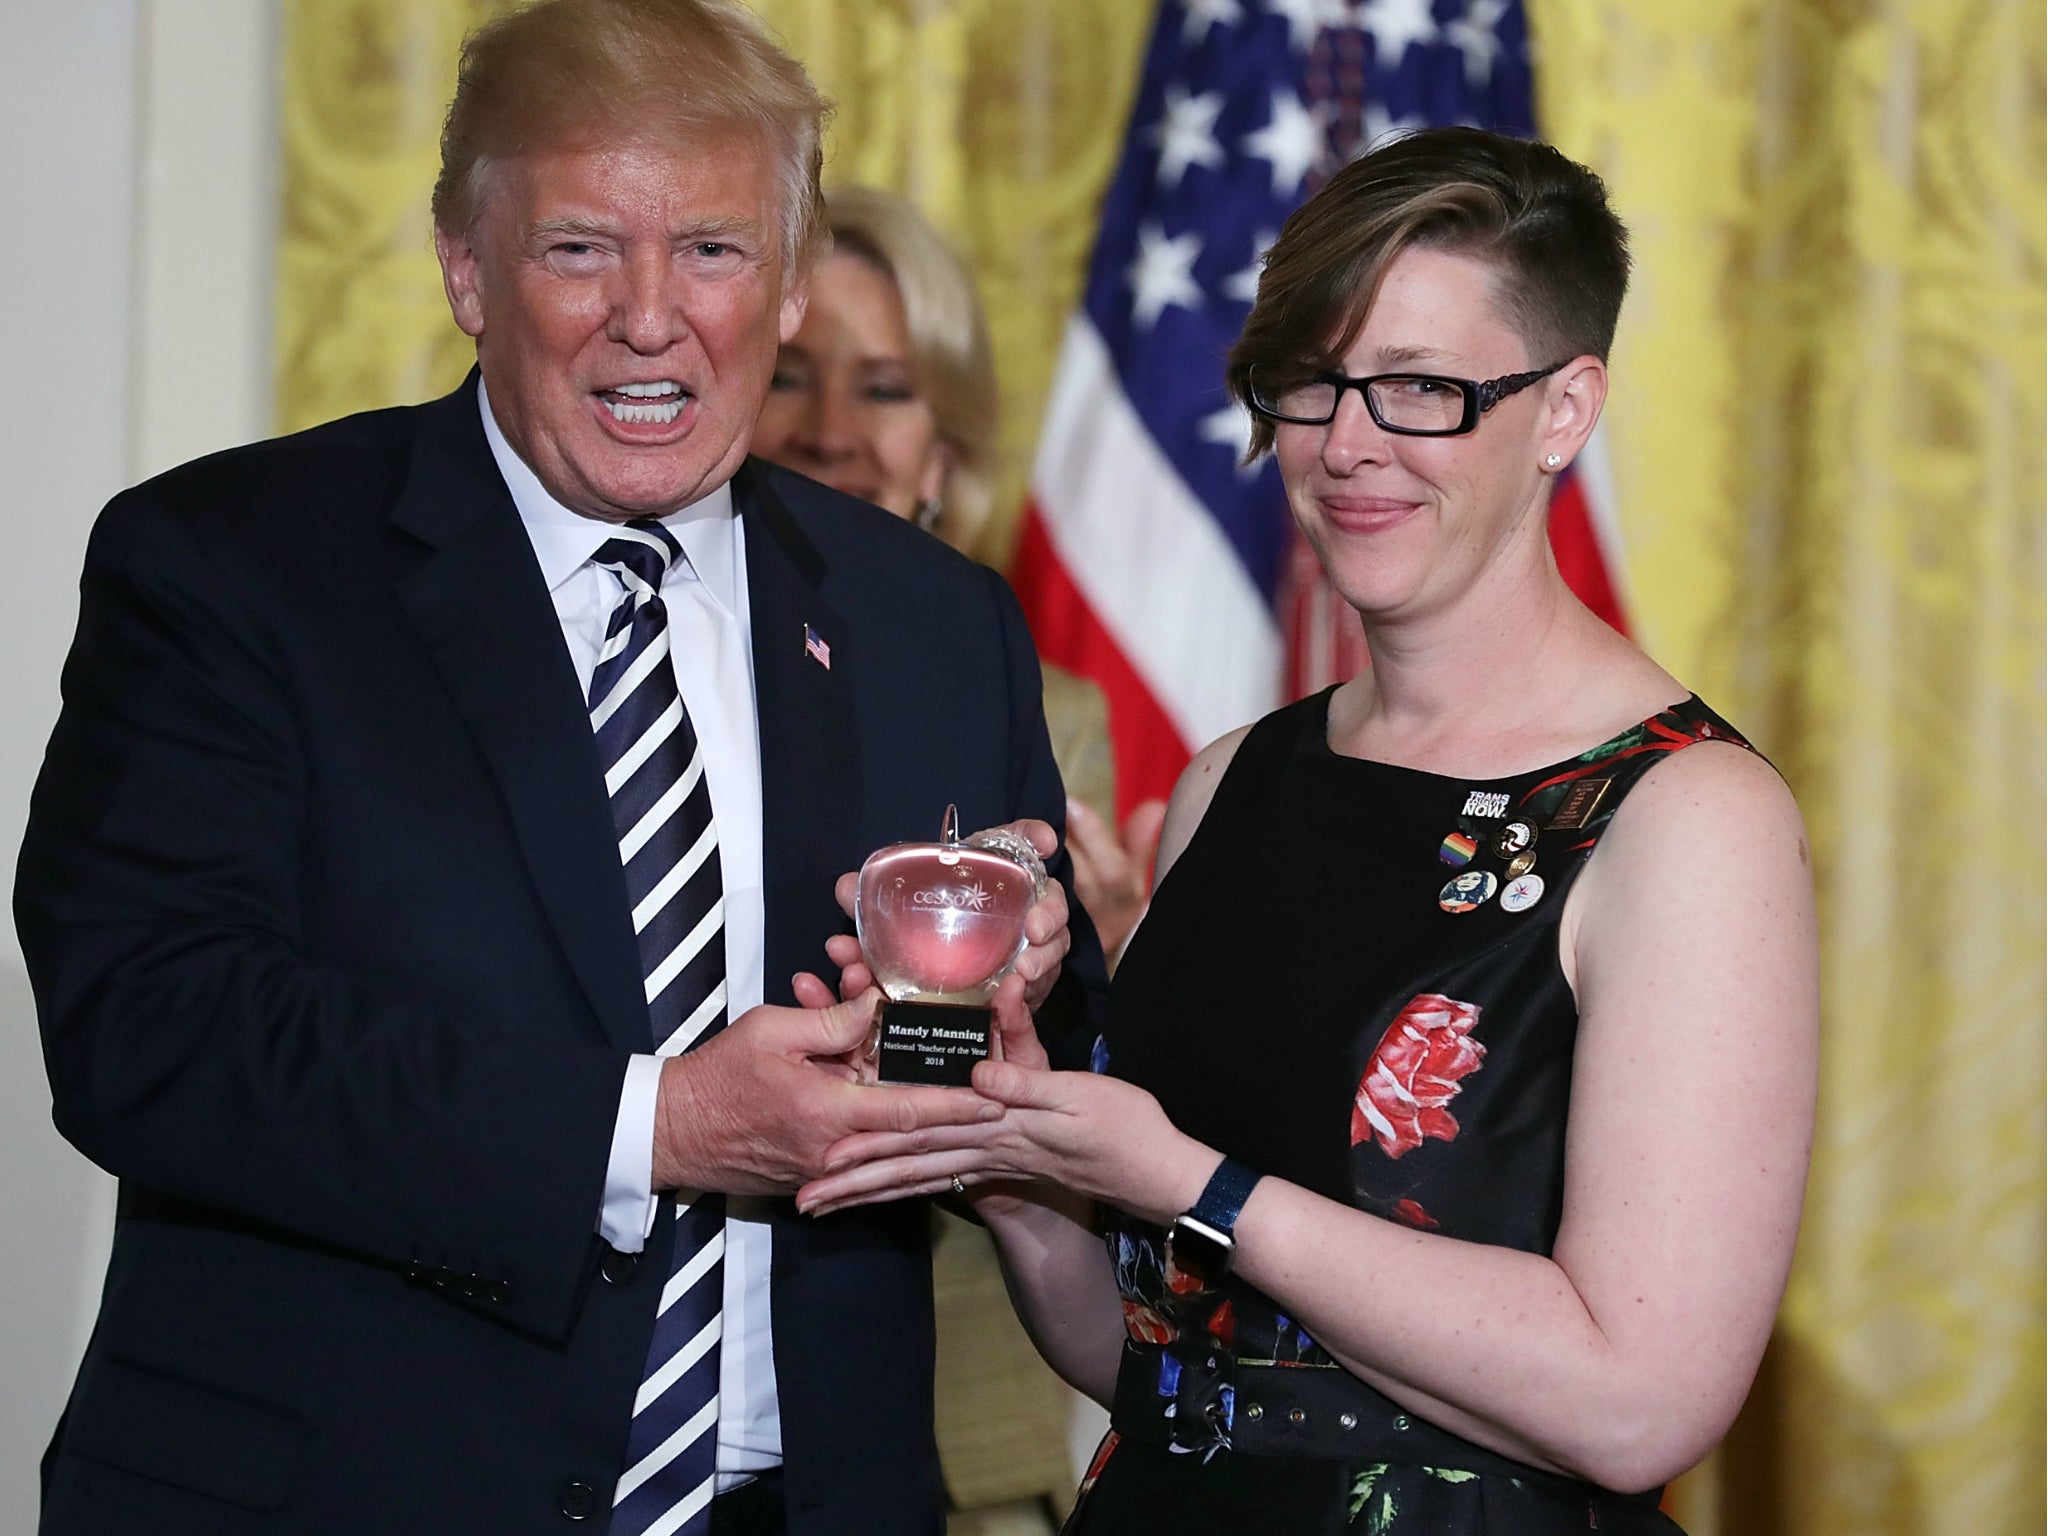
1195, 1248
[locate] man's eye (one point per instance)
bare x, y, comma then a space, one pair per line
574, 257
890, 394
713, 249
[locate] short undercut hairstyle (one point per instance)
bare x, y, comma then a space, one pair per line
1540, 220
572, 72
949, 343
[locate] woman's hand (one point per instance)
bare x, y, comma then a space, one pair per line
1095, 1137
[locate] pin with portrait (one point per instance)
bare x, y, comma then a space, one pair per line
1474, 888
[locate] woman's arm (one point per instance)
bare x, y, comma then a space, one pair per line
1057, 1271
1053, 1256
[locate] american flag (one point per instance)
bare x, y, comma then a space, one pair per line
1150, 560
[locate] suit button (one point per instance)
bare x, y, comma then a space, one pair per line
578, 1501
618, 1268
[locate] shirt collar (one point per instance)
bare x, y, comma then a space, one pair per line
563, 541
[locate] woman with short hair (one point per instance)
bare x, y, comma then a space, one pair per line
1451, 1126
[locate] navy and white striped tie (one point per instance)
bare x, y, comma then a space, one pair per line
661, 804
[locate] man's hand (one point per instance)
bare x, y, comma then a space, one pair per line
1045, 928
1112, 868
754, 1110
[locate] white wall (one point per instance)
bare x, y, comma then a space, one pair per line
134, 332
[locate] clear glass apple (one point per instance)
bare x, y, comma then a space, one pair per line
940, 925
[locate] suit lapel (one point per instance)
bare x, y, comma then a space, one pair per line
810, 757
475, 594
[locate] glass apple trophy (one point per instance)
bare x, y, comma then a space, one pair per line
940, 925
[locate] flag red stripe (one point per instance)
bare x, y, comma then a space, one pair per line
1149, 751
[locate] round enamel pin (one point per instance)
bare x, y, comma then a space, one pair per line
1522, 893
1474, 888
1516, 837
1521, 864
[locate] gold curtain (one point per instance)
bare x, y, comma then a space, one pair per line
1828, 435
1828, 432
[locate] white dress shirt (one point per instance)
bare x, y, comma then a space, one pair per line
705, 593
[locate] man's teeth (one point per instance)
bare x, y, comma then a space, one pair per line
664, 403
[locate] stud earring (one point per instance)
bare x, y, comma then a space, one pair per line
1551, 461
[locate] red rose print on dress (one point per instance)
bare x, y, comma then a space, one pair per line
1414, 1074
1146, 1325
1409, 1211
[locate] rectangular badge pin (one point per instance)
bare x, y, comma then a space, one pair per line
816, 648
1579, 804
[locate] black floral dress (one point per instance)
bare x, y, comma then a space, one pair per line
1350, 980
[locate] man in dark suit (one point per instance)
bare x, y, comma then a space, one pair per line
442, 802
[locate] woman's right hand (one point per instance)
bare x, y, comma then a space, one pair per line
1098, 1138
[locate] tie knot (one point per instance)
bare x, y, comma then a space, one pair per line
643, 547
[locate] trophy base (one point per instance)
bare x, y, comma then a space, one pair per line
931, 1043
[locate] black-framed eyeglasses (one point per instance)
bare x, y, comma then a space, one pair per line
1413, 404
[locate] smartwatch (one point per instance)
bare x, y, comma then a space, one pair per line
1201, 1240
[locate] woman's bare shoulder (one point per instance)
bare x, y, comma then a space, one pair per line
1191, 797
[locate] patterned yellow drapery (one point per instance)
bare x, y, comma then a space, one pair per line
1828, 430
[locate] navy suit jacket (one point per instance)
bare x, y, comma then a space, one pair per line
322, 906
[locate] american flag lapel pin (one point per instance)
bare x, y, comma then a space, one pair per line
816, 648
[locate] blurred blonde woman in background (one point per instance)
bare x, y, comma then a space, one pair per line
888, 392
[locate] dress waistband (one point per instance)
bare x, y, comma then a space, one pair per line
1317, 1412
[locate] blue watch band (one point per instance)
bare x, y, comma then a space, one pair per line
1224, 1196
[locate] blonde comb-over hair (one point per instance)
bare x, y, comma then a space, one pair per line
573, 72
